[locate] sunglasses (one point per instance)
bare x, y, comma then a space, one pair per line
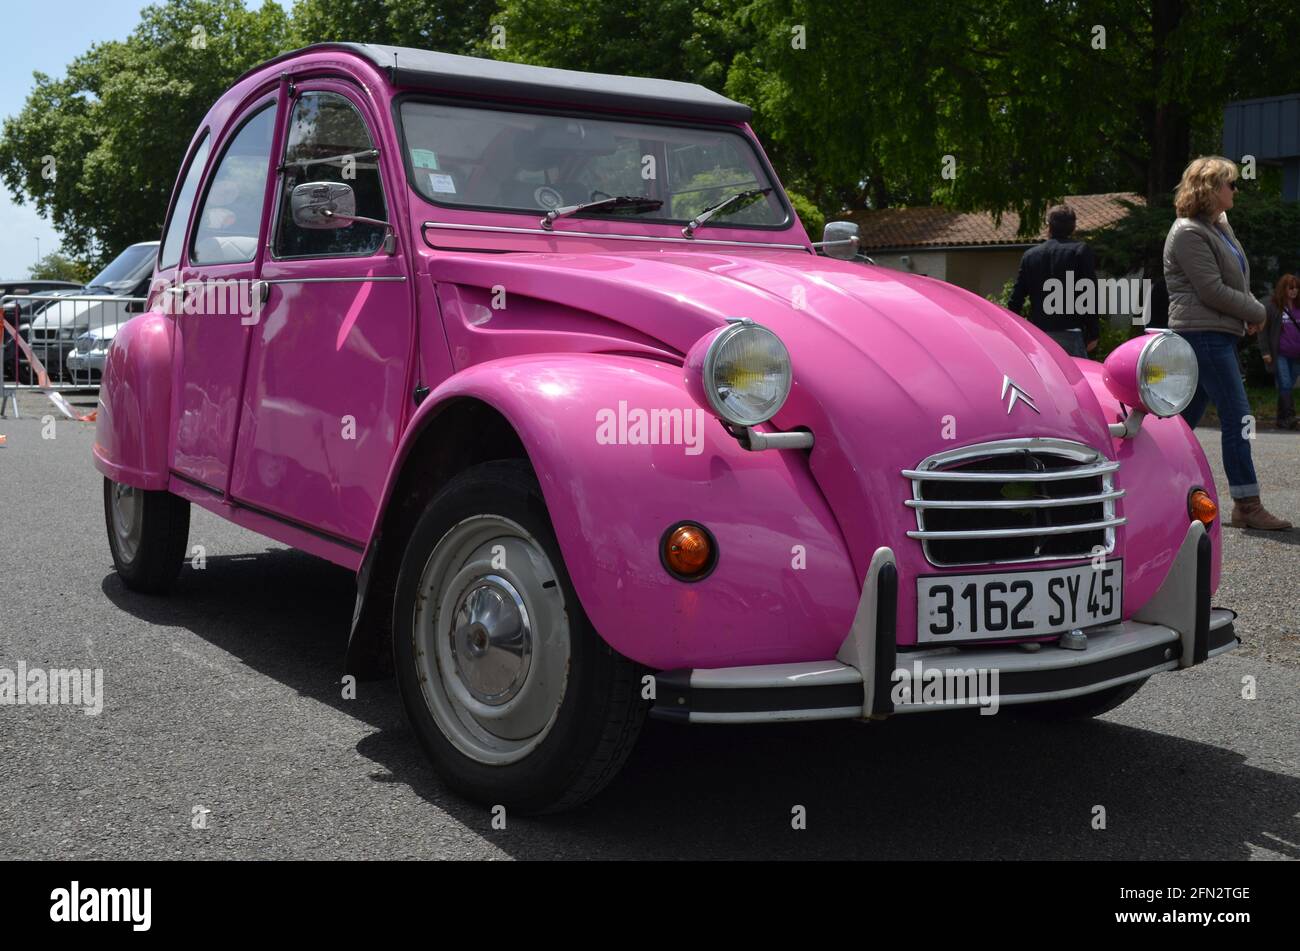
1232, 185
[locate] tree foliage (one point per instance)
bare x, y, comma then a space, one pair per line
97, 151
685, 40
1032, 99
1002, 106
458, 26
57, 266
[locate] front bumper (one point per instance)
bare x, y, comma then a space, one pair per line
1176, 628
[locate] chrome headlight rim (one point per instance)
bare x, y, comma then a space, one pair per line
1153, 402
709, 368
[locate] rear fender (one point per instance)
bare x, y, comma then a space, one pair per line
131, 430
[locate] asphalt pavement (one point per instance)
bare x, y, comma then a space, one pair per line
225, 734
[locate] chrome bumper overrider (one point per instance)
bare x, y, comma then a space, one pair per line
1176, 628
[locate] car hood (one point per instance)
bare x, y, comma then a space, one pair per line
910, 353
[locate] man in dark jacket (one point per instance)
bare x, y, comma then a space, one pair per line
1069, 262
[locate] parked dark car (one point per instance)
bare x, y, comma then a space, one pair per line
18, 313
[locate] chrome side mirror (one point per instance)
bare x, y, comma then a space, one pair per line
320, 205
840, 239
326, 205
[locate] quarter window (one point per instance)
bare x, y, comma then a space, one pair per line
231, 214
175, 234
328, 142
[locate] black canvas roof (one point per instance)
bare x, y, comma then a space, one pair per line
471, 75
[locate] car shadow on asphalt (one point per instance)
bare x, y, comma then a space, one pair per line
935, 786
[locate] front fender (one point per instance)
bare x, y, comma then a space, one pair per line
1159, 467
131, 429
783, 589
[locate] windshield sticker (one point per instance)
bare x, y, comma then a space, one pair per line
424, 158
441, 182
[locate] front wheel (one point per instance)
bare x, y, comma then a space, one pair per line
147, 534
511, 692
1081, 707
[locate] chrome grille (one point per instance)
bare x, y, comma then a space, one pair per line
1015, 500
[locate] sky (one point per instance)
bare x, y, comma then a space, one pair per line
46, 36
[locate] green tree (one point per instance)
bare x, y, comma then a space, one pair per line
861, 102
685, 40
811, 216
97, 151
449, 27
57, 266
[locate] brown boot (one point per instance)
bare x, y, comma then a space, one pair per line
1250, 513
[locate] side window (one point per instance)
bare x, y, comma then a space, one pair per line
231, 213
174, 236
328, 142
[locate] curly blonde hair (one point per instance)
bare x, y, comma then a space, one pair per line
1201, 179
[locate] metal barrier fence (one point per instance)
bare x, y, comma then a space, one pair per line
69, 334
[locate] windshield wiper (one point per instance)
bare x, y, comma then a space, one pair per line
617, 203
719, 206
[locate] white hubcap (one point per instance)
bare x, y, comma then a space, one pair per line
491, 639
128, 520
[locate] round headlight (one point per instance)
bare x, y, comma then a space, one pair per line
746, 374
1167, 374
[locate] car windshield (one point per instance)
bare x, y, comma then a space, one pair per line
126, 270
530, 162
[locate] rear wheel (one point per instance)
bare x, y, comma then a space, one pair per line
513, 695
147, 534
1081, 707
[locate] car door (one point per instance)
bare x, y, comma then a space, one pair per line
328, 390
218, 271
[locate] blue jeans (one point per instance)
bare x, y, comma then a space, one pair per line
1220, 381
1288, 372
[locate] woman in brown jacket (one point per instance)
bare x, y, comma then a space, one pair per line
1211, 307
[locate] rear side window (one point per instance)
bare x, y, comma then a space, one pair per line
231, 214
174, 237
328, 142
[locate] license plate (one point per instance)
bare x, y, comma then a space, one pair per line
1017, 603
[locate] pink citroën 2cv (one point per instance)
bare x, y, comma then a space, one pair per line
548, 360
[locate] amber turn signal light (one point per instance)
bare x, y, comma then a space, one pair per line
1202, 507
688, 551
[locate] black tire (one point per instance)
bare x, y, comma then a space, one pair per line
600, 714
1081, 707
164, 534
